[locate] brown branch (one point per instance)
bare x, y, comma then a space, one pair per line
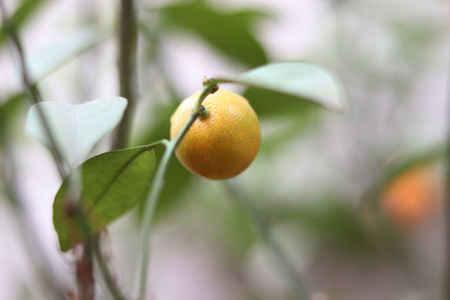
127, 69
446, 279
84, 273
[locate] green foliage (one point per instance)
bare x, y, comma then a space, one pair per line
270, 104
76, 129
334, 222
298, 79
397, 166
9, 111
22, 14
112, 183
229, 33
62, 52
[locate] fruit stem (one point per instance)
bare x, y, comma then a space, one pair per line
203, 113
158, 182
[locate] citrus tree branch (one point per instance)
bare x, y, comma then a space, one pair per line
446, 279
33, 91
92, 248
158, 182
298, 287
127, 69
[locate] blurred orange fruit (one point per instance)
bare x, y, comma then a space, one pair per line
223, 144
411, 198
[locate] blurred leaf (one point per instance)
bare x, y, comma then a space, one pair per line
22, 14
112, 184
177, 177
229, 33
297, 79
8, 112
76, 128
334, 222
286, 134
239, 231
395, 167
64, 51
270, 104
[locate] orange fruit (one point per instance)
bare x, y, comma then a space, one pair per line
411, 198
223, 144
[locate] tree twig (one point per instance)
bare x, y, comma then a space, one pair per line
127, 69
446, 278
299, 289
92, 248
35, 95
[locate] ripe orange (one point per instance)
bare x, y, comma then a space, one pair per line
411, 198
222, 145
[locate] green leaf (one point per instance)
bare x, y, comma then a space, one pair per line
22, 14
334, 222
296, 79
229, 33
270, 104
112, 184
76, 128
64, 51
10, 109
9, 112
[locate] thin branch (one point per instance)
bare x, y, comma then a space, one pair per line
85, 276
127, 69
92, 248
158, 182
446, 279
110, 282
299, 289
33, 91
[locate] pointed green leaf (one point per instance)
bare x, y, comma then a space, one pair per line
229, 33
76, 128
112, 183
297, 79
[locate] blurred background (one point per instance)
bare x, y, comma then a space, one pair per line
350, 203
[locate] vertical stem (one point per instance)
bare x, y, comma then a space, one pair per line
446, 282
85, 277
92, 248
127, 69
33, 91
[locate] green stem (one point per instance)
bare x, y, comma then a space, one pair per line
298, 287
158, 183
127, 69
110, 282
